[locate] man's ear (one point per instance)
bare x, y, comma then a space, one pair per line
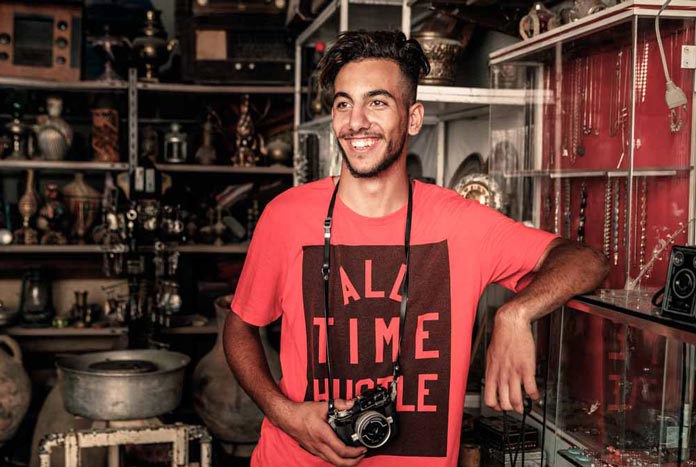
415, 118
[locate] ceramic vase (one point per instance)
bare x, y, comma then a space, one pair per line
15, 389
230, 415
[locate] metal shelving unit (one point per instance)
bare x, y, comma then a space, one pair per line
77, 86
132, 86
8, 165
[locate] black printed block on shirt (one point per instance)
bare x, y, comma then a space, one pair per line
364, 312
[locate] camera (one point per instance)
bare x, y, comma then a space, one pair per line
680, 288
370, 422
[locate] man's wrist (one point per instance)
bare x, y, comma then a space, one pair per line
279, 412
512, 313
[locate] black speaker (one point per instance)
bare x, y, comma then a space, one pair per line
680, 288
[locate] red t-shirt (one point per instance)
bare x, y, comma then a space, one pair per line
457, 248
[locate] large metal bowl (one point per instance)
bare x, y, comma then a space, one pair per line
122, 385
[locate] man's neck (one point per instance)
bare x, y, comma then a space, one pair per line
375, 196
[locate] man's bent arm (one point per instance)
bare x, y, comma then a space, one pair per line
305, 421
247, 360
565, 270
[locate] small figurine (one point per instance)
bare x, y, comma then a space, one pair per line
53, 134
52, 217
248, 142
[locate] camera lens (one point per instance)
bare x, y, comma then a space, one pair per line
678, 258
373, 429
683, 284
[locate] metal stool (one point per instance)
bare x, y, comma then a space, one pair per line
178, 434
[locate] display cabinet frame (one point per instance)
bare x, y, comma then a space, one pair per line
547, 57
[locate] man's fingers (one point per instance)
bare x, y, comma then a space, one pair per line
336, 459
332, 440
342, 404
490, 394
530, 386
504, 395
515, 386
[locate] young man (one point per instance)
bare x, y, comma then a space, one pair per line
456, 248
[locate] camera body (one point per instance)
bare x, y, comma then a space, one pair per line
370, 422
680, 288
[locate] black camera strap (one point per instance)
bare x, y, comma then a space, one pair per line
325, 270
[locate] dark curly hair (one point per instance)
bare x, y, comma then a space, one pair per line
354, 46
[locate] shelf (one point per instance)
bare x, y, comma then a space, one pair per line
27, 83
590, 24
197, 168
63, 165
51, 249
188, 330
590, 173
235, 248
238, 248
633, 308
214, 89
447, 103
69, 331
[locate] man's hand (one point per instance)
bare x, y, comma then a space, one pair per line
510, 362
306, 423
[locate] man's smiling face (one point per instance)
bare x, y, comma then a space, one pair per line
370, 115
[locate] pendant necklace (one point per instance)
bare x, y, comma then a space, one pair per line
582, 217
607, 219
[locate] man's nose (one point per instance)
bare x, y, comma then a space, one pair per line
358, 119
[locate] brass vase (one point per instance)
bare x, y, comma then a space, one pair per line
83, 203
28, 204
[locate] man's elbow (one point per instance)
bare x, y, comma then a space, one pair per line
596, 265
232, 333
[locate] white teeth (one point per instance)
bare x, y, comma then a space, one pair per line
362, 143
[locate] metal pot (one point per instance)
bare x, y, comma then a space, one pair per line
442, 53
122, 385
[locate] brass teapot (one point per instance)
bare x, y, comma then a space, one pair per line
151, 49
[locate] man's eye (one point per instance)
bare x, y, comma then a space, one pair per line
341, 105
378, 103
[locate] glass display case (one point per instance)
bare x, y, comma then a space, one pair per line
622, 388
597, 155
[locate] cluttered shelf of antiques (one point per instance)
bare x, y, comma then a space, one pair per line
165, 192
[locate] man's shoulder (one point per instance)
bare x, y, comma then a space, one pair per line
435, 196
300, 198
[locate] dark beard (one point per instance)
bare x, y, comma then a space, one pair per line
393, 154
